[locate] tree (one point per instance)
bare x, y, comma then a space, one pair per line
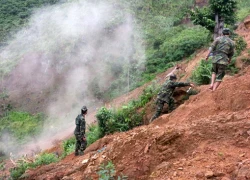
213, 17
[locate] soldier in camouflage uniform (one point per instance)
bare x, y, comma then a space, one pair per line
223, 51
166, 95
81, 142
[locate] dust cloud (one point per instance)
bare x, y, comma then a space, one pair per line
66, 53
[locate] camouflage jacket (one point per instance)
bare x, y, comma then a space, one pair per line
80, 125
168, 88
223, 49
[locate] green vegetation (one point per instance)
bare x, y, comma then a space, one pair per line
15, 14
2, 166
184, 43
240, 45
21, 124
180, 42
243, 9
93, 133
68, 146
206, 16
202, 74
42, 159
107, 172
126, 117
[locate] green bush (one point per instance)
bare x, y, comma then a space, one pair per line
21, 124
243, 9
2, 166
240, 45
93, 133
43, 159
108, 172
202, 73
68, 146
18, 171
185, 43
126, 117
14, 15
103, 115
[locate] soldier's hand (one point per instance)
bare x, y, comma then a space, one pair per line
191, 84
84, 138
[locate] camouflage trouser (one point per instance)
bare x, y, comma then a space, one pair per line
80, 144
160, 104
219, 70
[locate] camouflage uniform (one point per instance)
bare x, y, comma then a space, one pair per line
223, 50
79, 132
166, 96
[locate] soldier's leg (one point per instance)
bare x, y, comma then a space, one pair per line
214, 72
221, 73
83, 146
171, 106
160, 105
77, 146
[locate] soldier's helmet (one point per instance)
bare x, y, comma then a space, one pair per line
172, 77
84, 109
226, 31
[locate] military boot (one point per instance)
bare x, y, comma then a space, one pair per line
76, 153
81, 153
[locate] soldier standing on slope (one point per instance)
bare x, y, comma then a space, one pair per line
166, 95
81, 142
223, 51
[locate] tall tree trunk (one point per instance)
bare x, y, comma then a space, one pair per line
216, 28
219, 25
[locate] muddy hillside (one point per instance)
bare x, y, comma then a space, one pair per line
207, 137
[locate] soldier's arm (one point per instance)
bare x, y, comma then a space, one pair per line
83, 124
230, 55
77, 124
215, 43
213, 47
180, 84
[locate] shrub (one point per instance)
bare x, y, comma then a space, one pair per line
93, 134
202, 73
185, 43
240, 45
126, 117
43, 159
103, 115
243, 9
2, 166
21, 124
18, 171
107, 172
68, 146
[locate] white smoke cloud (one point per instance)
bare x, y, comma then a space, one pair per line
61, 51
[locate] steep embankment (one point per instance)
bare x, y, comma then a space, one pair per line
206, 137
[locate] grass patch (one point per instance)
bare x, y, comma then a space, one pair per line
42, 159
21, 124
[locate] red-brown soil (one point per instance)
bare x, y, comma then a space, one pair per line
207, 137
